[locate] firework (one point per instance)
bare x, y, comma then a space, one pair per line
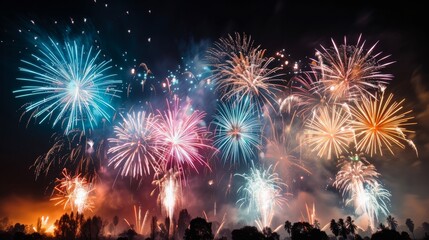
237, 131
170, 190
279, 150
139, 221
354, 175
374, 201
329, 132
244, 71
78, 151
307, 95
351, 71
74, 192
42, 226
181, 137
262, 192
134, 150
72, 83
379, 123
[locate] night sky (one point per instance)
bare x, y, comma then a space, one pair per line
180, 31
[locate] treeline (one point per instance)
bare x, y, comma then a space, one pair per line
75, 226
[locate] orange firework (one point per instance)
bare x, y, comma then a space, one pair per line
380, 123
74, 192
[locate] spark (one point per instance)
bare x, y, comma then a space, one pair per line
139, 221
374, 201
308, 95
241, 70
170, 190
237, 133
262, 193
379, 123
74, 192
134, 148
351, 71
181, 137
72, 85
355, 173
329, 132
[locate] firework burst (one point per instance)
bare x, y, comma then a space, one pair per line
244, 71
329, 132
181, 137
139, 221
307, 95
374, 201
379, 123
354, 175
262, 192
78, 151
237, 131
74, 192
72, 83
170, 191
134, 148
351, 71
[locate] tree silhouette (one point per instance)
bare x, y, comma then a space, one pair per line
301, 230
91, 228
269, 234
199, 229
410, 225
154, 228
386, 234
334, 228
351, 226
247, 233
342, 228
393, 224
381, 226
316, 224
66, 228
183, 223
288, 227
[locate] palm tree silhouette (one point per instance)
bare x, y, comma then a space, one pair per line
334, 227
393, 224
410, 225
351, 226
342, 228
288, 227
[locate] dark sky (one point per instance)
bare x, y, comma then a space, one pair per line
179, 28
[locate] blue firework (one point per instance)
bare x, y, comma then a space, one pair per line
70, 84
238, 131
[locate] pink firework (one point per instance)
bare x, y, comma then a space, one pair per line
182, 137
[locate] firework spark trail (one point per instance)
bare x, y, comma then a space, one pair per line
135, 151
278, 150
353, 176
237, 133
307, 94
139, 222
78, 151
44, 227
74, 192
350, 71
170, 190
379, 123
181, 137
72, 83
262, 192
374, 201
244, 71
329, 132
